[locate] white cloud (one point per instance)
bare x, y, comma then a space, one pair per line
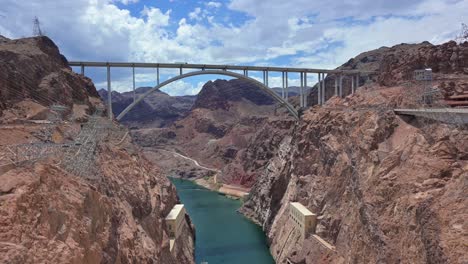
313, 33
195, 14
214, 4
127, 2
180, 87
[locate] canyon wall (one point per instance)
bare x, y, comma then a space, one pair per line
385, 188
73, 186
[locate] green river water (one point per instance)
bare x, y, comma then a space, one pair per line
223, 236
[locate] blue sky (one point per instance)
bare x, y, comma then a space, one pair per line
294, 33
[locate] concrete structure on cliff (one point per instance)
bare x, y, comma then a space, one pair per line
303, 219
230, 70
174, 222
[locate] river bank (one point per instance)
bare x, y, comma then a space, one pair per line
233, 192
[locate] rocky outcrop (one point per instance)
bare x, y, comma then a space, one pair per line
395, 66
243, 170
34, 68
74, 190
400, 61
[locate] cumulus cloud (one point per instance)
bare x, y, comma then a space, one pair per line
195, 14
214, 4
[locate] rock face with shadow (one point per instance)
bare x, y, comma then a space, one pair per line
385, 188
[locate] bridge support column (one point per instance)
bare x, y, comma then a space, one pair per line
134, 92
82, 70
305, 94
266, 77
180, 70
301, 97
353, 88
282, 85
286, 86
319, 89
109, 94
340, 90
336, 85
157, 75
324, 88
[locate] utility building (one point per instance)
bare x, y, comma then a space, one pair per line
174, 222
303, 219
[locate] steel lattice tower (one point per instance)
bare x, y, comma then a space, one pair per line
37, 27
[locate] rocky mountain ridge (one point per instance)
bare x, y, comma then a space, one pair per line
157, 110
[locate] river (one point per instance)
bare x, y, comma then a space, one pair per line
223, 236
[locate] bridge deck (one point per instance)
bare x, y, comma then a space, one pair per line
210, 67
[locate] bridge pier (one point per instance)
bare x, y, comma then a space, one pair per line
336, 85
286, 86
265, 78
324, 93
340, 89
301, 95
353, 88
282, 85
304, 104
134, 92
357, 80
157, 74
82, 70
319, 89
109, 94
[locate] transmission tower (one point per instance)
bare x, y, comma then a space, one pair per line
37, 32
463, 34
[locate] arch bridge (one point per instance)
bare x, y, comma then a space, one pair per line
232, 71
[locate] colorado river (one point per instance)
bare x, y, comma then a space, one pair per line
223, 236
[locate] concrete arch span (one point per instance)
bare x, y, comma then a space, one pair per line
260, 85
